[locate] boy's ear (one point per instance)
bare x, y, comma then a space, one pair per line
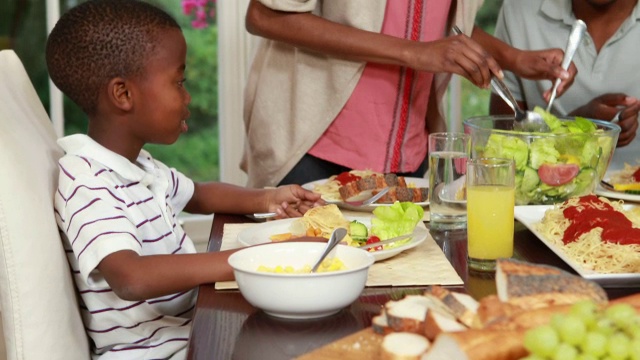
119, 94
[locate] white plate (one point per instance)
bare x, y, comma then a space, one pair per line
614, 194
530, 215
259, 234
417, 182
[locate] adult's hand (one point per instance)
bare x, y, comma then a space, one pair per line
545, 64
457, 54
605, 107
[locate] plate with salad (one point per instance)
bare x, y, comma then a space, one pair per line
387, 222
621, 184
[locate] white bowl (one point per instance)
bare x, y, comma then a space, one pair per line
299, 296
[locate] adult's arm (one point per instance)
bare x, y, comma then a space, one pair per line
456, 54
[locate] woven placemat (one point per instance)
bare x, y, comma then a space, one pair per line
423, 265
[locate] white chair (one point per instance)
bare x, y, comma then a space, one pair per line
38, 303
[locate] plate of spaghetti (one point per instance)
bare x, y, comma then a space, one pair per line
598, 238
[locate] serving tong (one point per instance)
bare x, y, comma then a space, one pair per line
525, 120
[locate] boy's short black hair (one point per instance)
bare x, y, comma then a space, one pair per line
101, 39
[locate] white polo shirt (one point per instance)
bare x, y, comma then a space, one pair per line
542, 24
105, 204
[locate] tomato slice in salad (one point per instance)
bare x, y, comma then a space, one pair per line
557, 174
372, 240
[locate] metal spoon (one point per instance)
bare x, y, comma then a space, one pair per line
525, 120
575, 38
336, 236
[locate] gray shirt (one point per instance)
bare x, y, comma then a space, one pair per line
542, 24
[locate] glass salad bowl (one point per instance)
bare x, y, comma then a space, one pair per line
569, 160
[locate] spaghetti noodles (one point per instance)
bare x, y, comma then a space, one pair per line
597, 242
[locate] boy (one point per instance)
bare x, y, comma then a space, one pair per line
123, 63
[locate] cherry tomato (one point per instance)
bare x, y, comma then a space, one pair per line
557, 174
374, 239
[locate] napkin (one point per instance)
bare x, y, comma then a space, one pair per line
425, 264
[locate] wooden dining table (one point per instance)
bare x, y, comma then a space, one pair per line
226, 326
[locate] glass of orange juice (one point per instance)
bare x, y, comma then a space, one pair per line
490, 203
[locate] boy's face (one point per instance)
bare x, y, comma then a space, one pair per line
160, 99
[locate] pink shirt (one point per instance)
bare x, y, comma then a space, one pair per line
382, 126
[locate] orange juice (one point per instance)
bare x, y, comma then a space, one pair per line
490, 221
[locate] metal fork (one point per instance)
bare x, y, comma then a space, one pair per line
365, 198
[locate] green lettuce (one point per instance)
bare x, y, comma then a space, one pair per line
509, 147
395, 220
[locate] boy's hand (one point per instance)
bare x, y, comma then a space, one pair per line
293, 201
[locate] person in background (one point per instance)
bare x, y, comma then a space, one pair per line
607, 80
341, 85
123, 63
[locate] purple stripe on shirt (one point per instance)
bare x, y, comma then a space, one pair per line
171, 298
93, 222
105, 233
124, 327
157, 330
140, 202
98, 291
79, 211
64, 171
94, 189
148, 220
98, 311
127, 348
157, 239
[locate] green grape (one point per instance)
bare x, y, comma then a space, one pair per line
586, 357
565, 352
620, 314
604, 326
587, 311
541, 341
570, 328
634, 349
594, 343
618, 346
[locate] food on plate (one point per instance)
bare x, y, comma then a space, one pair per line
442, 317
330, 189
626, 180
348, 184
552, 166
596, 233
327, 265
401, 218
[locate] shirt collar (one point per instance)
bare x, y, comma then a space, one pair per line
558, 10
84, 146
561, 10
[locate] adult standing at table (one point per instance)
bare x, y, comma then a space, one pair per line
339, 85
607, 79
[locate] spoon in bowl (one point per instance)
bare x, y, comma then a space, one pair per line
336, 236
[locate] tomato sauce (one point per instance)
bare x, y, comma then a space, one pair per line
592, 212
636, 175
346, 177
